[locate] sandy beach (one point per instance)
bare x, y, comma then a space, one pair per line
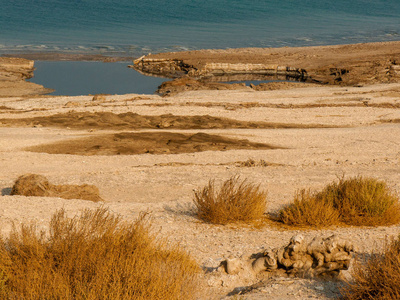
300, 135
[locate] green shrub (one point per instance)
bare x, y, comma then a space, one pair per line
236, 201
93, 256
378, 278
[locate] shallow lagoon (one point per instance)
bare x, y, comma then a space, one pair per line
73, 78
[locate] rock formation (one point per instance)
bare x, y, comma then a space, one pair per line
339, 65
323, 256
13, 75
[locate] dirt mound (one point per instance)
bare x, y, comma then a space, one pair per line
108, 120
38, 185
173, 87
147, 142
179, 85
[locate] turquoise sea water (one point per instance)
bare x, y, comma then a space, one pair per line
133, 27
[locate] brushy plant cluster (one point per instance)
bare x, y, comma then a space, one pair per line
236, 201
378, 278
308, 210
93, 256
355, 201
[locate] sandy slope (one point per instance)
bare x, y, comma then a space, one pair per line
362, 144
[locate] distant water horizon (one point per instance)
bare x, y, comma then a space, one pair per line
134, 28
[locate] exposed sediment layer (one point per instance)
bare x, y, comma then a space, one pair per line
13, 75
216, 71
342, 64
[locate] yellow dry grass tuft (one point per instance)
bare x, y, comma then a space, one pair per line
362, 201
307, 210
236, 201
355, 201
93, 256
378, 278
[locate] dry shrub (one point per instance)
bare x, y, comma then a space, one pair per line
38, 185
307, 210
378, 278
235, 201
94, 256
356, 201
362, 201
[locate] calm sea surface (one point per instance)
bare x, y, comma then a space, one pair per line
133, 27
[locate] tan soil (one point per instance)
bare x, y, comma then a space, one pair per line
129, 121
360, 142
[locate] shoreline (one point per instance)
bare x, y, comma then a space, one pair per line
350, 65
54, 55
333, 65
59, 56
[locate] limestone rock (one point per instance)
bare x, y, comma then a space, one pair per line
323, 256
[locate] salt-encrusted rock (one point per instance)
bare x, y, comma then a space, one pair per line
323, 256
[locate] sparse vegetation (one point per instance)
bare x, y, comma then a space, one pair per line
362, 201
236, 201
377, 278
307, 210
357, 201
38, 186
93, 256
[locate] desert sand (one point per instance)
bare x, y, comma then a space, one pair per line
282, 139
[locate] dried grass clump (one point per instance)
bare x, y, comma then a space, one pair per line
39, 186
93, 256
307, 210
236, 201
378, 278
356, 201
362, 201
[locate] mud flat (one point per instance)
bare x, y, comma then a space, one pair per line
305, 137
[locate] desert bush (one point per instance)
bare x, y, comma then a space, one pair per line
38, 185
362, 201
93, 256
355, 201
236, 201
377, 278
307, 210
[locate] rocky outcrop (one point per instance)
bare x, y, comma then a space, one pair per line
220, 72
186, 83
338, 65
13, 75
15, 68
178, 85
323, 256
